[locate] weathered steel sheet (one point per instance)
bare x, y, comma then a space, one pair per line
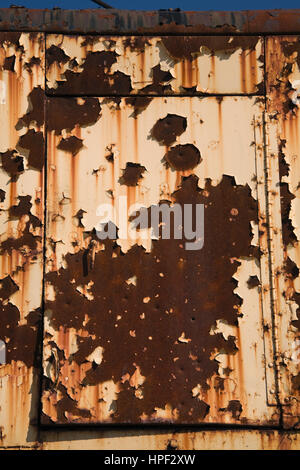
22, 156
146, 22
282, 61
141, 330
145, 65
171, 440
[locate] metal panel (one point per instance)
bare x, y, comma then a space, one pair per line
172, 21
22, 156
170, 440
99, 65
283, 154
144, 331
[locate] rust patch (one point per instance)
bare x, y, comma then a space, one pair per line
56, 54
290, 47
296, 382
291, 269
35, 113
71, 144
26, 238
21, 340
33, 61
160, 80
33, 142
66, 405
279, 66
66, 113
132, 174
10, 38
291, 272
7, 288
235, 408
197, 289
91, 41
9, 63
183, 157
12, 163
166, 130
23, 208
139, 103
161, 76
136, 43
219, 383
187, 47
252, 282
73, 64
96, 73
286, 198
79, 216
284, 167
109, 156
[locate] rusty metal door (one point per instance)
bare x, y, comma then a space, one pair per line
141, 330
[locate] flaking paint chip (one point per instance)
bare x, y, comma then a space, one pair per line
183, 339
131, 280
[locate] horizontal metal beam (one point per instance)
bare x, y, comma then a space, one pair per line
150, 22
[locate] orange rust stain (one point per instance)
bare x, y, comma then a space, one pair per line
253, 70
243, 71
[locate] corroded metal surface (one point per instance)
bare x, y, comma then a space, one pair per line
145, 22
95, 65
22, 155
283, 102
163, 334
172, 440
142, 331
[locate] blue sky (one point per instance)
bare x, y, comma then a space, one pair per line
157, 4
